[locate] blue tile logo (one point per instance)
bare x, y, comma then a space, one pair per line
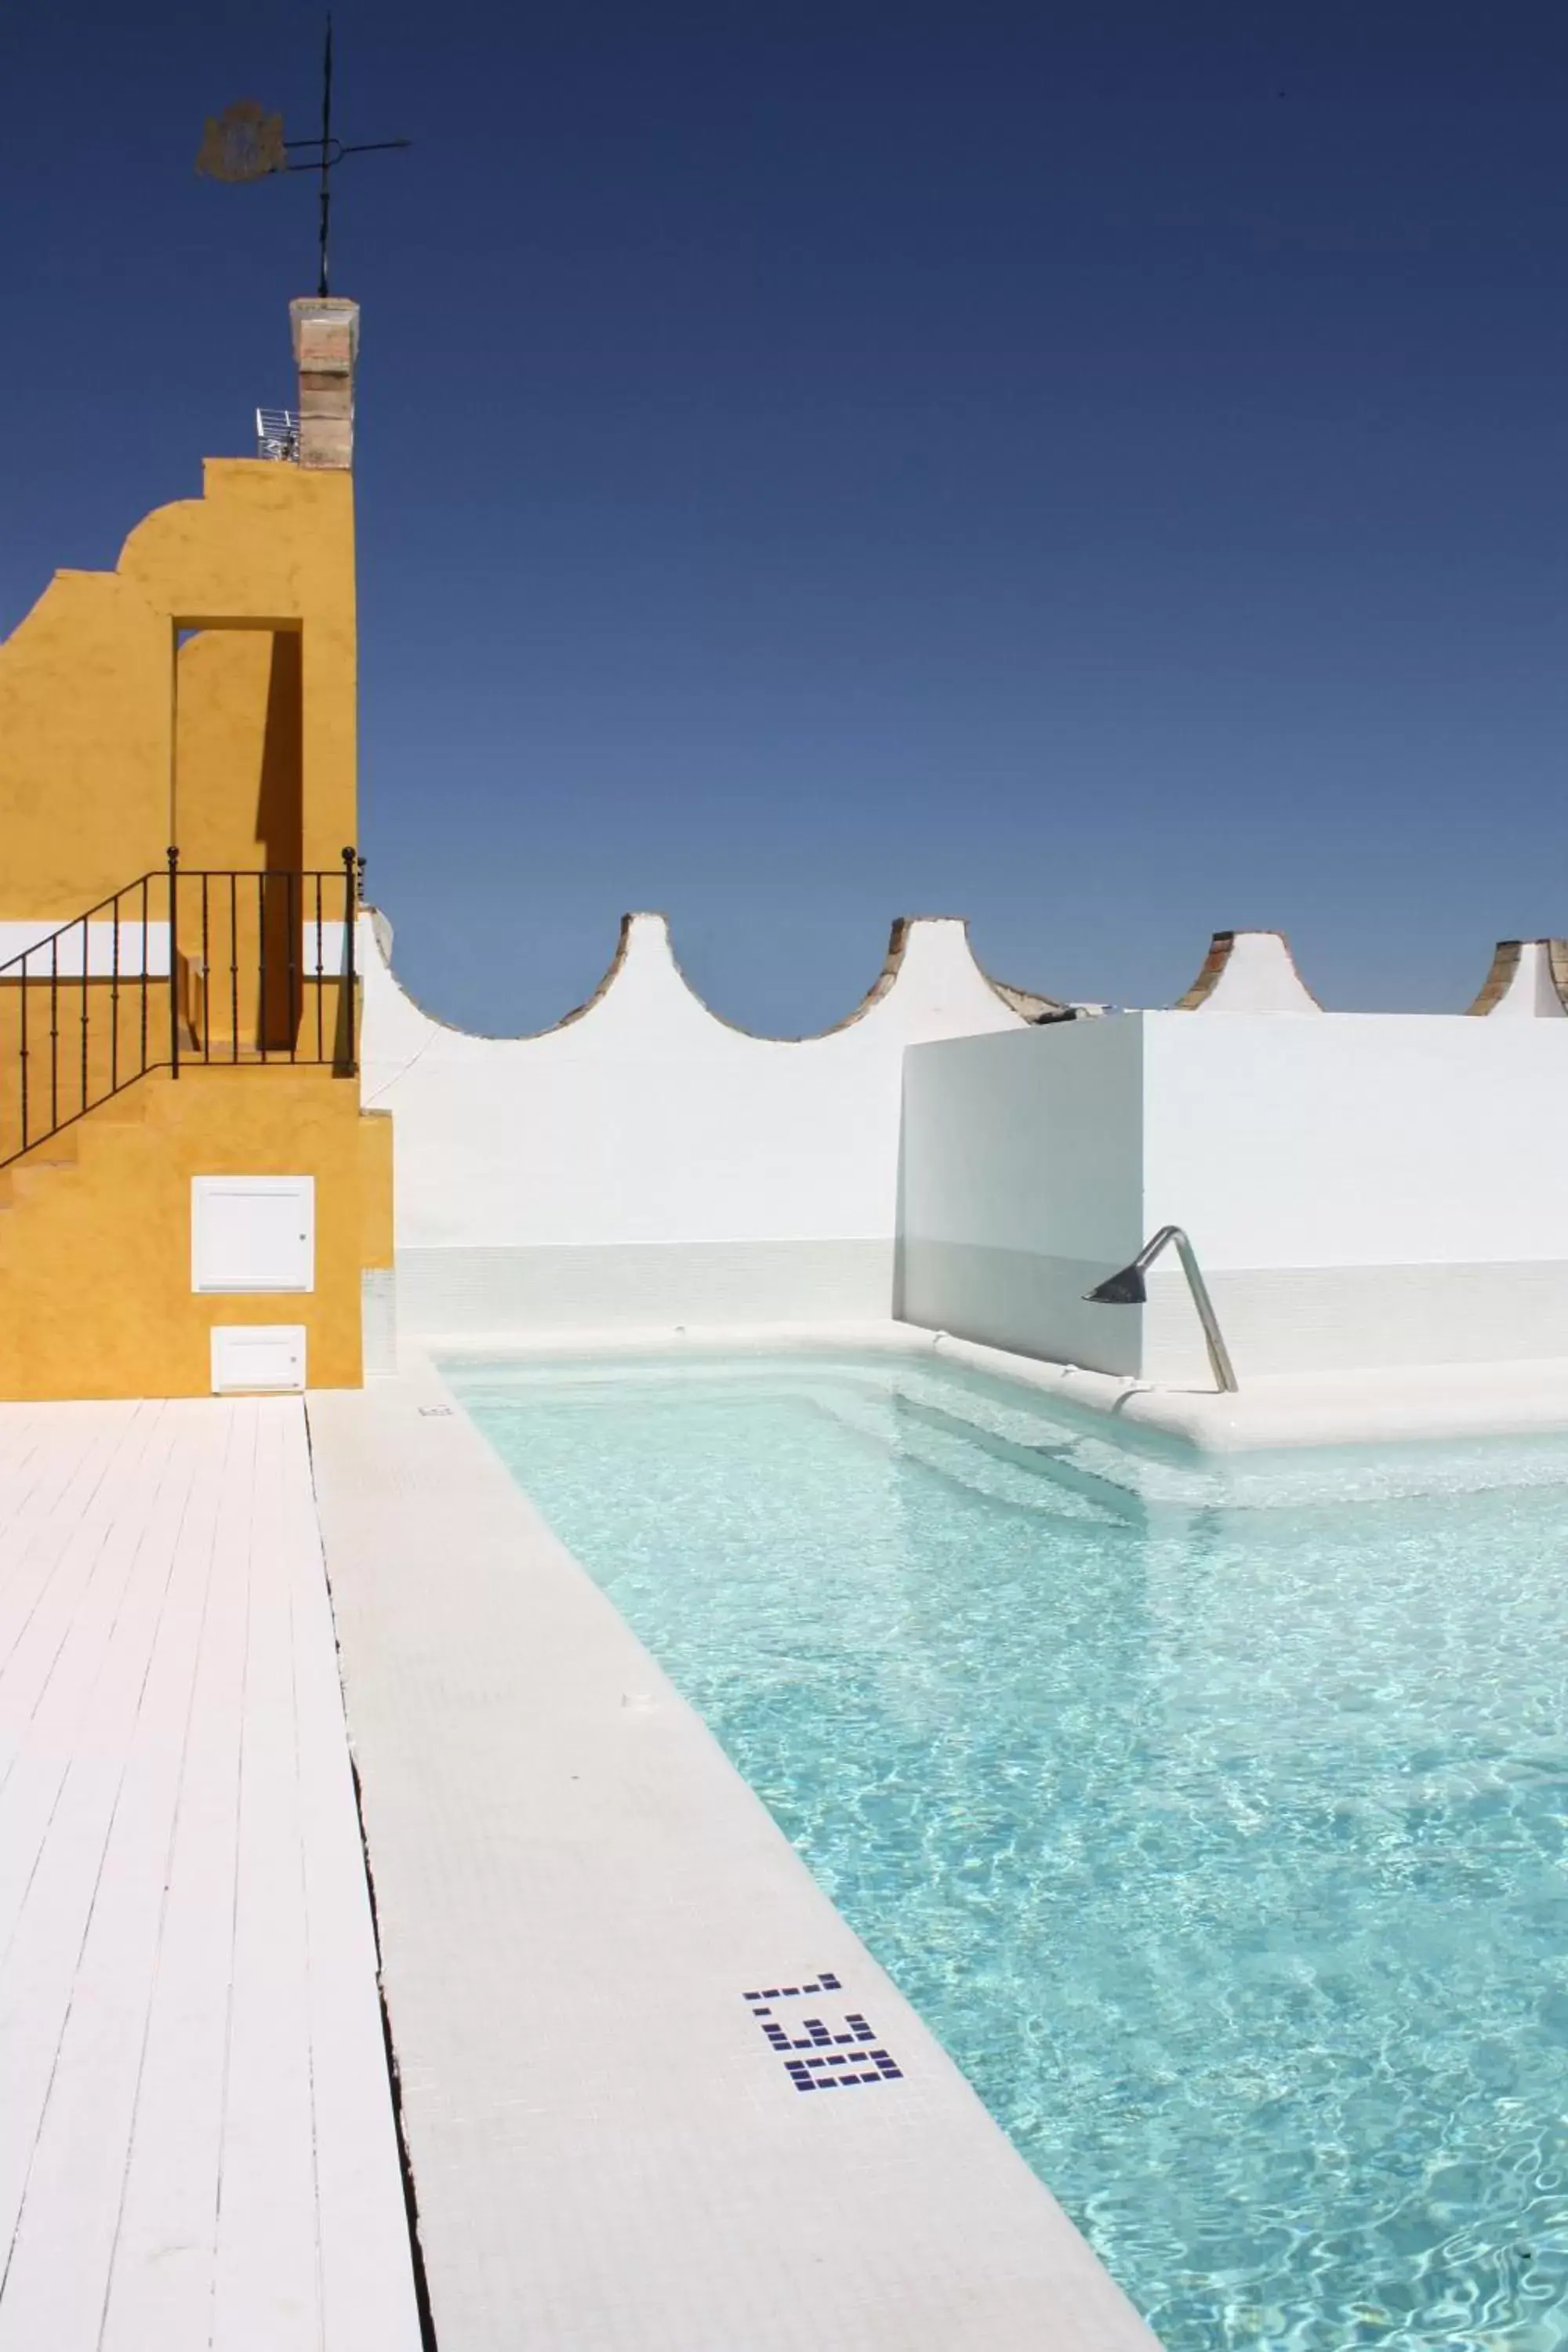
836, 2052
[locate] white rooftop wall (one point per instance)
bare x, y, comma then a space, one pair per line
1358, 1138
1023, 1185
646, 1163
1362, 1190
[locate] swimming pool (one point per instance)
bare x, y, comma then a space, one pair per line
1215, 1822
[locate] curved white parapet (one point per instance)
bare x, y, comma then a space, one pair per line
1528, 980
1249, 971
929, 961
559, 1177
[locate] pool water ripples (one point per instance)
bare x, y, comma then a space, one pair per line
1222, 1843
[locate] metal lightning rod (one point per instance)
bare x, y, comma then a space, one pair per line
246, 143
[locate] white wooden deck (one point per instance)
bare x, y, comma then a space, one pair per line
196, 2140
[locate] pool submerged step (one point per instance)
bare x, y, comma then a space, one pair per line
1015, 1455
1037, 1479
1056, 1458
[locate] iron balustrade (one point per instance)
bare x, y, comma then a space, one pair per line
91, 1007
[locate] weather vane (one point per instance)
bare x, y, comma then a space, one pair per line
245, 143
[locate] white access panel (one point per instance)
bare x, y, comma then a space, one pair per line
251, 1356
253, 1233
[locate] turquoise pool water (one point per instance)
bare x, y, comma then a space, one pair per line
1217, 1828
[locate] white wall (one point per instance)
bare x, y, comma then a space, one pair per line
1361, 1188
1356, 1138
644, 1162
1023, 1186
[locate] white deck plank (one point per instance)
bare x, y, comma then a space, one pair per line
161, 2285
90, 1703
22, 1478
53, 1649
58, 2283
44, 1462
65, 1504
160, 2010
56, 1647
48, 1676
266, 2291
67, 1585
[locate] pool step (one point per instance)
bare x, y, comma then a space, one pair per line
1033, 1479
1055, 1458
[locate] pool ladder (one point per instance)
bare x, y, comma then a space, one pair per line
1127, 1288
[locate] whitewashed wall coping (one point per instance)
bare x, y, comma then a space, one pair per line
1249, 971
644, 1117
1528, 980
65, 959
929, 984
322, 950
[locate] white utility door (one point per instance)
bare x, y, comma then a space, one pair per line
253, 1233
248, 1357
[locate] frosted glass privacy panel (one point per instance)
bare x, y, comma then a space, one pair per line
253, 1233
251, 1356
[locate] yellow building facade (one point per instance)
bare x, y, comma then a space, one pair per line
178, 891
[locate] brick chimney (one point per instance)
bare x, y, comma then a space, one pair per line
326, 346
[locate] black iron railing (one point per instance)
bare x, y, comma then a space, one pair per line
224, 969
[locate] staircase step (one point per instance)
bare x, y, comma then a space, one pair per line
41, 1165
29, 1175
127, 1109
57, 1151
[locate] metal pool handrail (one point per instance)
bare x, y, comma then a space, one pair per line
1128, 1288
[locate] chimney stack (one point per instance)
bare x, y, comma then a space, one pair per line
326, 346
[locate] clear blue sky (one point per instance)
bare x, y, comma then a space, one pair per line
1096, 469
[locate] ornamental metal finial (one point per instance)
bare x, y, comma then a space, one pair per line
245, 142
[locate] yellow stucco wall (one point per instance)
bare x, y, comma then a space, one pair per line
91, 790
238, 739
84, 745
201, 694
95, 1233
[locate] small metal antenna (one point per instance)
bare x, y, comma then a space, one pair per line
326, 153
245, 143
